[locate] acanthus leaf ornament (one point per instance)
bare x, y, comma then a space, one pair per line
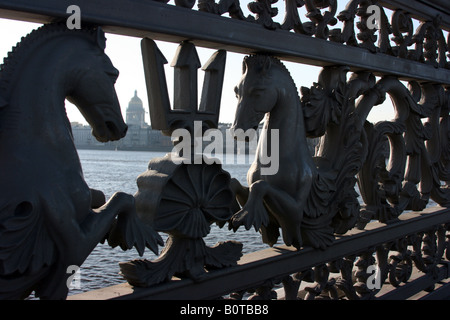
327, 203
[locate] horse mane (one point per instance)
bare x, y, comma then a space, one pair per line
264, 62
27, 44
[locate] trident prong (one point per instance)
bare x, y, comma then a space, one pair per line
213, 83
185, 110
158, 96
185, 64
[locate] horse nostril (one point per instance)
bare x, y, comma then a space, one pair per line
125, 131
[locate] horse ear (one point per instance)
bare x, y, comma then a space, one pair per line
101, 39
244, 65
267, 64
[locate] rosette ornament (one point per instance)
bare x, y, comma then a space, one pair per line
183, 200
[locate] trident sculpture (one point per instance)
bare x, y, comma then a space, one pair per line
183, 199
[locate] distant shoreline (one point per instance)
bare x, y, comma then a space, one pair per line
153, 149
124, 148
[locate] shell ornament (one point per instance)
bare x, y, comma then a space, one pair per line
183, 200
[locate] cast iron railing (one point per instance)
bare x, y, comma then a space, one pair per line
412, 47
340, 273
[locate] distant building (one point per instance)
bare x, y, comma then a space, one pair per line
136, 112
140, 135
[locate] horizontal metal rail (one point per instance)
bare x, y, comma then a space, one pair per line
422, 9
139, 18
422, 283
256, 268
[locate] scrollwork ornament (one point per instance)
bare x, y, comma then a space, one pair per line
321, 20
379, 184
430, 46
428, 249
265, 291
231, 6
401, 265
385, 29
372, 271
345, 281
291, 284
292, 19
365, 260
324, 287
366, 35
347, 16
402, 23
265, 12
434, 245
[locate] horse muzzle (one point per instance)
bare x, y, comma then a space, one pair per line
110, 131
117, 131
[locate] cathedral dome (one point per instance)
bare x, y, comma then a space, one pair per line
135, 111
135, 103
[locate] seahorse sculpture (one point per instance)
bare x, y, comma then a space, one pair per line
47, 216
312, 198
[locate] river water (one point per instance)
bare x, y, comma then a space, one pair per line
112, 171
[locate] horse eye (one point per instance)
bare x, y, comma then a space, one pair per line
236, 91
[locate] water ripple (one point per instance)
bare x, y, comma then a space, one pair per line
112, 171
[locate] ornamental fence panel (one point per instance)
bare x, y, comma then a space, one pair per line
364, 217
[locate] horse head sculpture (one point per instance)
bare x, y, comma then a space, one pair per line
257, 96
47, 220
98, 104
277, 199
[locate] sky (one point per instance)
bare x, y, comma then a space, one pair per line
125, 54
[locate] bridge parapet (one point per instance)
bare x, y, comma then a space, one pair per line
342, 248
361, 264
